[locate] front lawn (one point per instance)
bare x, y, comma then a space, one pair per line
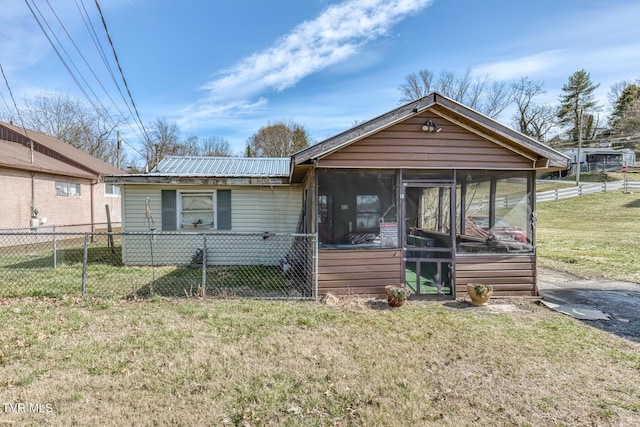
234, 362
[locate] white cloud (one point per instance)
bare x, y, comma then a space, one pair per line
529, 65
335, 35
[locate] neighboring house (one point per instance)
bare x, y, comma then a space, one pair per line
53, 183
600, 159
431, 194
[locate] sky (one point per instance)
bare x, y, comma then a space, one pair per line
227, 68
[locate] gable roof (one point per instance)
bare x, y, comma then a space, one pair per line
57, 149
547, 158
17, 156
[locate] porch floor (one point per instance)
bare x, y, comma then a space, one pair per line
427, 281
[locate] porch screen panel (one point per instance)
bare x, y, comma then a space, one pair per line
494, 212
353, 204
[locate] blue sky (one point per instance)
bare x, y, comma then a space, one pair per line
225, 69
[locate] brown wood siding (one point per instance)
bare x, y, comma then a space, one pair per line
364, 272
407, 145
508, 274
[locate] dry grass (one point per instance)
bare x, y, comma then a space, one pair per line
591, 236
230, 362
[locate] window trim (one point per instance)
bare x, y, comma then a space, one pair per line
112, 194
179, 214
68, 184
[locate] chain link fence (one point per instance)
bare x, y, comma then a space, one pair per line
142, 265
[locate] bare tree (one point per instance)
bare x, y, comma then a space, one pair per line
417, 85
68, 119
280, 139
163, 141
487, 96
531, 119
212, 146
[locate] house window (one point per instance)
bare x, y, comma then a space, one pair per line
67, 189
367, 212
197, 210
112, 190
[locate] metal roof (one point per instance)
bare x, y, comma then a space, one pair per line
223, 167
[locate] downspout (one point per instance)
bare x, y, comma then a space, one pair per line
33, 197
34, 210
93, 226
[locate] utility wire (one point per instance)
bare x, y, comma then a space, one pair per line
26, 134
73, 76
115, 55
101, 111
83, 59
96, 42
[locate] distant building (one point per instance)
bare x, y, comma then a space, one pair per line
600, 159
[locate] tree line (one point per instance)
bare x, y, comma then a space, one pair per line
69, 119
576, 114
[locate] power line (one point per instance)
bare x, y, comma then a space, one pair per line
115, 55
79, 76
96, 42
73, 76
26, 134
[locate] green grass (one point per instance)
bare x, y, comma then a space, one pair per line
593, 236
29, 271
233, 362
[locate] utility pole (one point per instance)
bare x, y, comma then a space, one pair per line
578, 162
118, 148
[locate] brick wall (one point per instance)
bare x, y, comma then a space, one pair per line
15, 200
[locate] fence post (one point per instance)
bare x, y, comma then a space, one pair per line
316, 246
556, 194
204, 267
84, 264
55, 249
580, 190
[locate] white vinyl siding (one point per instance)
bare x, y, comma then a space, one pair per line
254, 210
266, 209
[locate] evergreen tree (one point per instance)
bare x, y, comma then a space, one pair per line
577, 102
625, 117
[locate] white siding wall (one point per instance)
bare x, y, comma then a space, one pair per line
253, 210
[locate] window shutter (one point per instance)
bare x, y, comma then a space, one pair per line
168, 210
224, 209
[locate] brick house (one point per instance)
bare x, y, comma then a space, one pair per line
53, 183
